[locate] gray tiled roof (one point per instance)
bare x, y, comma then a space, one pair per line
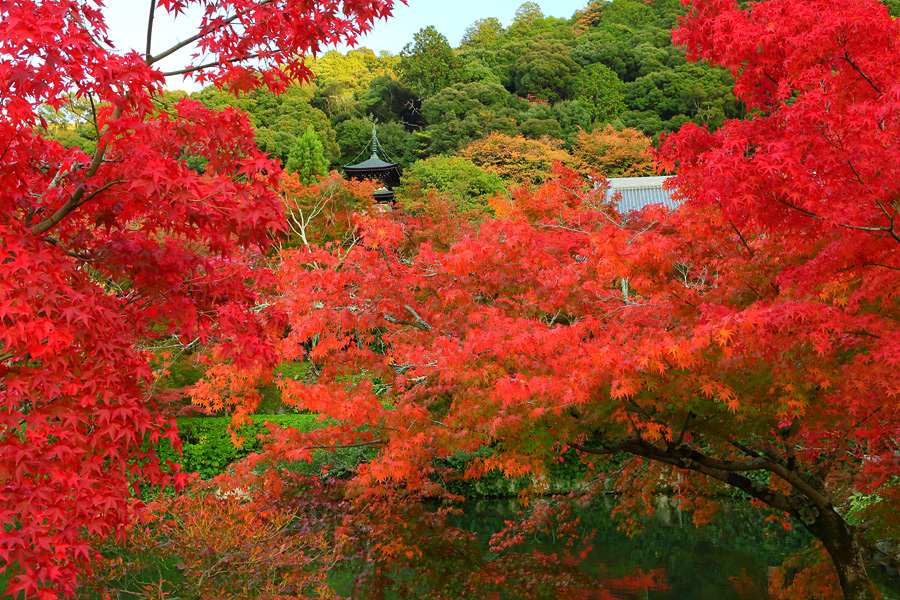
638, 192
372, 163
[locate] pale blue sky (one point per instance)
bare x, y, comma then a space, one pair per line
127, 20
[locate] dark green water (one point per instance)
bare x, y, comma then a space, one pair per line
699, 563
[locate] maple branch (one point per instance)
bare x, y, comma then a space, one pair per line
416, 316
872, 264
94, 116
201, 34
341, 446
729, 472
639, 233
55, 242
889, 230
856, 68
743, 241
187, 70
77, 197
861, 333
419, 323
795, 207
823, 467
102, 189
147, 54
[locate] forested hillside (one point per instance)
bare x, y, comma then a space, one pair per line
577, 89
543, 78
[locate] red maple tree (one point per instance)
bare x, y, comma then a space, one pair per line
747, 340
102, 254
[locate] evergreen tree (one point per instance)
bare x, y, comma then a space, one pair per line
483, 33
428, 64
601, 92
307, 158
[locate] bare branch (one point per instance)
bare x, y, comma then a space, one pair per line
201, 34
418, 319
147, 54
341, 446
187, 70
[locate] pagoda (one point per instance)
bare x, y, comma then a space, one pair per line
377, 169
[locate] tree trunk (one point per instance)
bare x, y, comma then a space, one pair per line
841, 540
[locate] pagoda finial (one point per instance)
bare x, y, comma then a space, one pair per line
374, 142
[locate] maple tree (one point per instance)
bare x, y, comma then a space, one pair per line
325, 211
612, 153
747, 340
104, 253
517, 159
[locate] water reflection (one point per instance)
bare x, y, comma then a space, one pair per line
729, 559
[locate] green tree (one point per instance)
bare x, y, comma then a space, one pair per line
528, 16
307, 158
389, 100
428, 64
628, 12
540, 121
689, 92
483, 33
601, 91
545, 70
458, 180
573, 118
278, 119
342, 79
463, 113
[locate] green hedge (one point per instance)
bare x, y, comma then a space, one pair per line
206, 443
207, 449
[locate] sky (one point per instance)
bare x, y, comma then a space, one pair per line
127, 20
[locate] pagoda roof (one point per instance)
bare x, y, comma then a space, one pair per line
373, 164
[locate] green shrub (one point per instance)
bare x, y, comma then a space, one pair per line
207, 447
271, 402
463, 184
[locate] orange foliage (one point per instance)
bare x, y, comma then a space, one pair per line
237, 537
518, 159
325, 211
808, 574
612, 153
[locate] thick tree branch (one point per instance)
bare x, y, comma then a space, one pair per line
147, 55
423, 325
75, 200
728, 472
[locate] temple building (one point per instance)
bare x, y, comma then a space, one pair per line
634, 193
376, 168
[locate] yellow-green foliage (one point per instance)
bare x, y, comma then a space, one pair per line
458, 180
206, 443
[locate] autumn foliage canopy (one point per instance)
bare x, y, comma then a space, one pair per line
103, 255
747, 340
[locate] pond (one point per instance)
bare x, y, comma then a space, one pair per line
730, 559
